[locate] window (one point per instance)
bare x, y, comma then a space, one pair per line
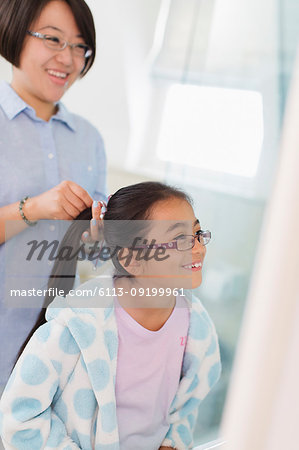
212, 128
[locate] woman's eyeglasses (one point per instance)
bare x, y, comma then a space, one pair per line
182, 242
57, 44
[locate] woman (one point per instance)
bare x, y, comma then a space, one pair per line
52, 162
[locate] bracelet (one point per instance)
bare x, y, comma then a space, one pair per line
28, 222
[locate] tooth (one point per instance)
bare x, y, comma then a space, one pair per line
57, 74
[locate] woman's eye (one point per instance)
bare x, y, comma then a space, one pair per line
53, 39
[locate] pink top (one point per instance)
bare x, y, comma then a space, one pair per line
147, 377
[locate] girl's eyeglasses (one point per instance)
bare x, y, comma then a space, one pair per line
58, 44
182, 242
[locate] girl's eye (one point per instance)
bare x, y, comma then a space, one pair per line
198, 232
181, 236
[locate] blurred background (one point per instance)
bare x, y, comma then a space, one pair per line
192, 92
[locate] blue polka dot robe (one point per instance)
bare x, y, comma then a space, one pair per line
61, 394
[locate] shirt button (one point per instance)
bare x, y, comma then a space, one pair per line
89, 168
52, 227
50, 156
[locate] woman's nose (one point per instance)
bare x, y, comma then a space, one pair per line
65, 56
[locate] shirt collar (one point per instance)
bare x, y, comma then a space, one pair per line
63, 115
13, 105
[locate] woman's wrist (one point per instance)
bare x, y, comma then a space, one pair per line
30, 210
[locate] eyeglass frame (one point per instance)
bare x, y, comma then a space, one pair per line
88, 52
173, 244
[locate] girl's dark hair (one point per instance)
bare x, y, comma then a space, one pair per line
17, 16
123, 221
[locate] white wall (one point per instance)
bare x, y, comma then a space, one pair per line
113, 94
5, 70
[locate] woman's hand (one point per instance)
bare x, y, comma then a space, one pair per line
64, 201
94, 233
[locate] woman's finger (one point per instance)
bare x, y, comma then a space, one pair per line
85, 237
94, 229
96, 210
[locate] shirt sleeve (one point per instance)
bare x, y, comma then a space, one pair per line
202, 371
101, 188
28, 420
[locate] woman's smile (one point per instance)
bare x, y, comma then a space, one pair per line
58, 77
45, 74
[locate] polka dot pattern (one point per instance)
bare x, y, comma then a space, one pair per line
71, 377
191, 420
199, 327
184, 434
27, 440
57, 366
107, 447
214, 374
74, 437
52, 313
108, 417
86, 376
67, 343
84, 441
107, 313
84, 333
24, 408
43, 332
83, 364
111, 343
212, 347
84, 403
10, 381
33, 370
194, 384
95, 426
190, 365
57, 434
190, 405
61, 410
85, 311
99, 373
57, 395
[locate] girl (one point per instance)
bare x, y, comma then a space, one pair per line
52, 162
127, 367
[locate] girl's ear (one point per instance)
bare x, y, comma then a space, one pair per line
127, 259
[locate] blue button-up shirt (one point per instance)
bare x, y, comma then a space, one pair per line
34, 157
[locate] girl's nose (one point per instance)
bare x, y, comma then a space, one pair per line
198, 247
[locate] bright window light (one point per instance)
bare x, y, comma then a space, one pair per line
212, 128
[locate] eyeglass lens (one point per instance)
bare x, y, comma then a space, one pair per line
56, 43
188, 242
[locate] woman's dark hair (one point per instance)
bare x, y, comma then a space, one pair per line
17, 16
123, 221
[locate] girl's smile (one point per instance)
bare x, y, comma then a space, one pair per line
172, 222
194, 266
